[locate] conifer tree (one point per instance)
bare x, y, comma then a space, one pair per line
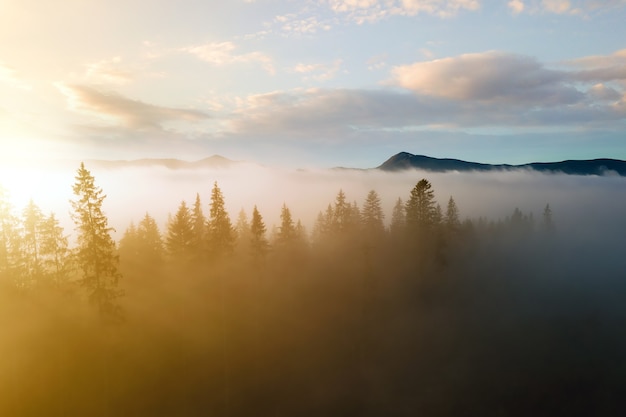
258, 241
548, 222
95, 253
287, 232
342, 213
199, 232
398, 219
180, 237
150, 241
32, 220
452, 215
420, 208
372, 215
11, 265
55, 252
219, 227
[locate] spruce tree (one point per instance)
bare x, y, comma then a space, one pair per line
32, 221
452, 216
221, 235
150, 241
11, 259
95, 253
372, 215
258, 241
398, 219
199, 232
55, 252
287, 232
421, 211
180, 236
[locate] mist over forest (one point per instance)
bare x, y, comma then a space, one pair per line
251, 290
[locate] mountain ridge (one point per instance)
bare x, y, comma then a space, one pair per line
214, 161
600, 166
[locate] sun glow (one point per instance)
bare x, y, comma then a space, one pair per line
26, 173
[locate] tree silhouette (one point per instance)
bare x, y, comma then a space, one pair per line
55, 252
258, 241
32, 221
220, 230
180, 235
420, 208
451, 219
11, 265
287, 231
548, 221
95, 253
150, 242
398, 219
199, 229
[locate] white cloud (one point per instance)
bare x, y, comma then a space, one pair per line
109, 71
488, 77
10, 77
363, 11
222, 53
563, 7
377, 62
490, 89
319, 72
516, 6
132, 114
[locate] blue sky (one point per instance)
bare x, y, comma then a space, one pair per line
313, 83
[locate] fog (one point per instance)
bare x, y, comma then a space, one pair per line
497, 317
589, 205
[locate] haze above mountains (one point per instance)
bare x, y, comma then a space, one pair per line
404, 161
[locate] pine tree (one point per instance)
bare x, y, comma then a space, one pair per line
32, 221
287, 232
398, 219
150, 241
548, 222
420, 208
95, 253
220, 229
180, 236
258, 241
55, 253
452, 216
11, 259
372, 215
199, 232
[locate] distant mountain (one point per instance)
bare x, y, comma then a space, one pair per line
214, 161
405, 160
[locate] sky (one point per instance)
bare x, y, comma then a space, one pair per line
297, 83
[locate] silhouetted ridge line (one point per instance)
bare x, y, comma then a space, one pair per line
405, 160
215, 161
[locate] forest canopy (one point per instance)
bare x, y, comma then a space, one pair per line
367, 312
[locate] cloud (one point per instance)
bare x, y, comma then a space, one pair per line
130, 113
516, 6
318, 72
564, 7
488, 77
293, 24
377, 62
490, 89
222, 53
109, 71
362, 11
10, 77
115, 72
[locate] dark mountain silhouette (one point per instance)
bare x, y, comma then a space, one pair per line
215, 161
405, 160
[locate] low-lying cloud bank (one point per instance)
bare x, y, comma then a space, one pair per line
587, 207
